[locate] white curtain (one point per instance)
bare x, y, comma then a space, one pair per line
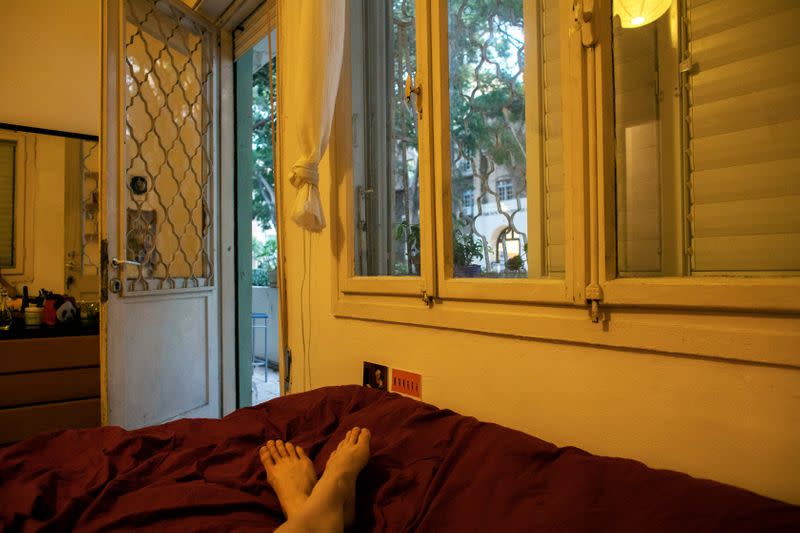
313, 62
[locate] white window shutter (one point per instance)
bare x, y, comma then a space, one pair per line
744, 132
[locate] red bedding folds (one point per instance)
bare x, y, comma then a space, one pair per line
431, 470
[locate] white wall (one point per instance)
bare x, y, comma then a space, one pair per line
734, 422
265, 300
50, 64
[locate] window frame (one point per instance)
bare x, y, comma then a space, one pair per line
341, 162
757, 293
532, 289
649, 314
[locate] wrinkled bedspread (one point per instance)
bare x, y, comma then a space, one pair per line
430, 470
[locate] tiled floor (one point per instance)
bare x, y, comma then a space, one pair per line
265, 391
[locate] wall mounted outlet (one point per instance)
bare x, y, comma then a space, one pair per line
406, 382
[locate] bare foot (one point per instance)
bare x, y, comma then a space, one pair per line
345, 463
289, 472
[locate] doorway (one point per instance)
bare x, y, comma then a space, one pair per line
256, 215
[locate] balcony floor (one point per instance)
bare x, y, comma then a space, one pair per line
263, 392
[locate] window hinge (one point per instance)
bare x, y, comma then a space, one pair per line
594, 295
427, 299
583, 11
416, 89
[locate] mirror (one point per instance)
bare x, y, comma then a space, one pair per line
49, 213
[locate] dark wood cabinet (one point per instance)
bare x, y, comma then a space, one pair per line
48, 384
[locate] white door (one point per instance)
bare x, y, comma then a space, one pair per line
161, 310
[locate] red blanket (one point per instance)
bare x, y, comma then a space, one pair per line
430, 470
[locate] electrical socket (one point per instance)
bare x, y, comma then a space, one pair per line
406, 382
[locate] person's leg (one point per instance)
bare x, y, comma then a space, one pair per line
289, 472
324, 510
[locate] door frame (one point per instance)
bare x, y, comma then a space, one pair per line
227, 270
230, 273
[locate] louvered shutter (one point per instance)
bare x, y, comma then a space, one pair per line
744, 130
553, 144
7, 155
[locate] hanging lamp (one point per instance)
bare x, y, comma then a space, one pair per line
636, 13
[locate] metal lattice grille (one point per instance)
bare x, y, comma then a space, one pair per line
168, 152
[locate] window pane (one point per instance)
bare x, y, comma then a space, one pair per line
385, 152
707, 114
506, 153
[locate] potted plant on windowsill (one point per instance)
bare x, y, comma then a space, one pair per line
465, 250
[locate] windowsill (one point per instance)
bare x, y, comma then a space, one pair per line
758, 339
740, 294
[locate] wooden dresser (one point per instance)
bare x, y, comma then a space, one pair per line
48, 384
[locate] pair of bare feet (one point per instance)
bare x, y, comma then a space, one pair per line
313, 505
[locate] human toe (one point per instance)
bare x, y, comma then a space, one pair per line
279, 445
290, 451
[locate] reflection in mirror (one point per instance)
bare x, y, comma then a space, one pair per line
49, 215
49, 250
81, 224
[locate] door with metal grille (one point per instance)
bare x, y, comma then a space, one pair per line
161, 310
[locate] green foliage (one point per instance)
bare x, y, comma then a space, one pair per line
515, 263
264, 122
465, 247
266, 254
487, 106
408, 234
260, 278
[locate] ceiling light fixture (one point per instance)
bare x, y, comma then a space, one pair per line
636, 13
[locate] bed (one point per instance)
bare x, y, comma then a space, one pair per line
430, 470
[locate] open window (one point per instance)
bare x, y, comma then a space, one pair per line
456, 107
389, 240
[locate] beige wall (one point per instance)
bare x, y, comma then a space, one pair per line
50, 64
734, 422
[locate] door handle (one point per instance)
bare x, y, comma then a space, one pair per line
116, 263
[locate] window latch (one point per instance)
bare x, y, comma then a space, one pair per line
427, 299
594, 295
417, 90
